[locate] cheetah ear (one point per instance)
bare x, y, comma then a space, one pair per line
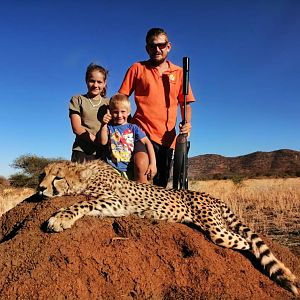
85, 174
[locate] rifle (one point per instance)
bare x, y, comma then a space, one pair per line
182, 146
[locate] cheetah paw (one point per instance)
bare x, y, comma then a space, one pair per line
60, 221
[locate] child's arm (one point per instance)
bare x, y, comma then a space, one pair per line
151, 171
104, 129
79, 130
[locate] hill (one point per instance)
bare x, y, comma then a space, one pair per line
123, 258
280, 163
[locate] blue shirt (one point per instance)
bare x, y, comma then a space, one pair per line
121, 141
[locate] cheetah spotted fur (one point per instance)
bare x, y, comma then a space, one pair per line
111, 195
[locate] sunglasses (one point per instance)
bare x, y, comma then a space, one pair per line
160, 46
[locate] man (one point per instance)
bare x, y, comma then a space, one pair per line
157, 87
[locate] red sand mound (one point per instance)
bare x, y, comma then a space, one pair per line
123, 258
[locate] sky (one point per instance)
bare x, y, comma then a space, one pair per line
244, 69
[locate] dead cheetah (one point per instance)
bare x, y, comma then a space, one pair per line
111, 195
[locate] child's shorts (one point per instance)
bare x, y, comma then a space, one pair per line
129, 174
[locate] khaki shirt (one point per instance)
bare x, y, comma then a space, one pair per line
91, 117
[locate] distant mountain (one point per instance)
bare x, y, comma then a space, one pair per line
280, 163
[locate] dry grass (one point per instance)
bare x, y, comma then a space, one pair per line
269, 206
10, 197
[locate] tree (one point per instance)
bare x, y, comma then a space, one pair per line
32, 166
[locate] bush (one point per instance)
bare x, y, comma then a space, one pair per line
3, 181
32, 166
237, 179
22, 180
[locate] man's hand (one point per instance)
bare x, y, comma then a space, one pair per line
151, 171
185, 128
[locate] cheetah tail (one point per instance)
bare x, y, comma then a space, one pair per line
274, 267
276, 270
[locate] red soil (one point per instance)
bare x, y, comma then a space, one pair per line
123, 258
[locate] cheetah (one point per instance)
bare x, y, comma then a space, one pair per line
110, 195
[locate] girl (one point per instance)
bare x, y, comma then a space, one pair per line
86, 113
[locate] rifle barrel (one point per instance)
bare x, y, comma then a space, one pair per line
186, 70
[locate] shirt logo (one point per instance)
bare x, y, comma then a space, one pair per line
172, 77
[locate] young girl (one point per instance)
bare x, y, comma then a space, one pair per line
86, 113
122, 138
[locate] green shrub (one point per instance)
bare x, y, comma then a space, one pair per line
31, 166
237, 179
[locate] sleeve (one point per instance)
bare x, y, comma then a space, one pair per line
74, 105
189, 97
109, 130
138, 133
129, 81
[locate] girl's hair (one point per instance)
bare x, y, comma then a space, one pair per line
94, 67
119, 98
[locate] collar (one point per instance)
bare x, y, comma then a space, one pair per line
172, 67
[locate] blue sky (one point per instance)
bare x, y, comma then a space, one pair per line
244, 55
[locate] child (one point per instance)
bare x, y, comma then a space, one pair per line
122, 137
86, 113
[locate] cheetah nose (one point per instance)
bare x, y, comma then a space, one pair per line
41, 190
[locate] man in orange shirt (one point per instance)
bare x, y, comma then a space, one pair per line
157, 87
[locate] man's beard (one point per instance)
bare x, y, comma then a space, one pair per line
156, 62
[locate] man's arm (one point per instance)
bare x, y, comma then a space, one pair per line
128, 85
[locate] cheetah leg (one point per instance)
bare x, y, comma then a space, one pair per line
103, 206
223, 237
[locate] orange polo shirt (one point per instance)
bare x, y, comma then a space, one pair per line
157, 97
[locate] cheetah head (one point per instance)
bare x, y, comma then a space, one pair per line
62, 178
